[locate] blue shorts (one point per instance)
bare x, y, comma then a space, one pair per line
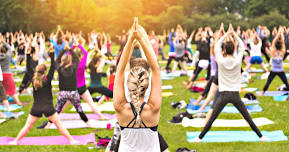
256, 59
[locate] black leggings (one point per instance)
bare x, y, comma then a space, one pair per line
263, 50
27, 79
208, 86
198, 71
271, 76
169, 62
102, 90
234, 98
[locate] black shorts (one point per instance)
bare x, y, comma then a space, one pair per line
2, 92
81, 90
180, 59
39, 110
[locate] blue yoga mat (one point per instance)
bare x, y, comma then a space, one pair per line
280, 98
273, 93
227, 109
12, 114
12, 107
235, 136
211, 102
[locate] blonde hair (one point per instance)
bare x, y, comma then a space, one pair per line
39, 76
137, 82
65, 61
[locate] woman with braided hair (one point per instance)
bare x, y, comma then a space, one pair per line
139, 117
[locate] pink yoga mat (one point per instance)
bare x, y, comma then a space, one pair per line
49, 140
73, 116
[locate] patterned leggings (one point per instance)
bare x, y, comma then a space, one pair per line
74, 98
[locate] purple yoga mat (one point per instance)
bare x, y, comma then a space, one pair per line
49, 140
73, 116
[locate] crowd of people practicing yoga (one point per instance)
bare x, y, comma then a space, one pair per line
135, 73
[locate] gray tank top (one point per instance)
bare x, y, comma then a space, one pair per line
277, 63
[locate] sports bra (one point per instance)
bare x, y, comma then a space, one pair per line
146, 97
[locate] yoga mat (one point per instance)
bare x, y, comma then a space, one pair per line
256, 70
12, 107
2, 120
280, 98
249, 89
72, 124
49, 140
73, 116
273, 93
17, 80
227, 109
166, 78
167, 87
106, 106
243, 85
245, 101
175, 74
167, 94
200, 122
237, 136
10, 114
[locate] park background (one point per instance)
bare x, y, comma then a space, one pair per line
114, 15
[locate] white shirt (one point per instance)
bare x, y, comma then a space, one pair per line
229, 68
255, 49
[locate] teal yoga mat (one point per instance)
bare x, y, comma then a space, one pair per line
235, 136
227, 109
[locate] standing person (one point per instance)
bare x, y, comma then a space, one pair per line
172, 54
96, 73
3, 96
263, 34
255, 52
81, 84
154, 42
277, 53
203, 44
43, 103
31, 63
8, 81
68, 84
59, 43
180, 47
138, 113
229, 74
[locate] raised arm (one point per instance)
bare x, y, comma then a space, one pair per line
155, 96
118, 96
52, 67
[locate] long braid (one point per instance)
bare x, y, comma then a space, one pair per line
137, 84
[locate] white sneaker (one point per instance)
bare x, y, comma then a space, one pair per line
264, 139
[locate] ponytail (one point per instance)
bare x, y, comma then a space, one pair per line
39, 76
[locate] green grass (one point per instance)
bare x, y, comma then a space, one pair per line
173, 134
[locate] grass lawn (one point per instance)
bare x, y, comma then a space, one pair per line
175, 135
